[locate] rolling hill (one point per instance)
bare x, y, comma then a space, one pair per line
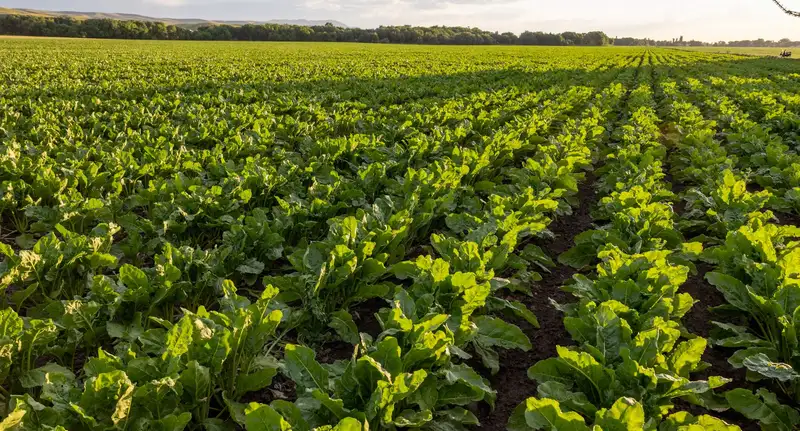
182, 22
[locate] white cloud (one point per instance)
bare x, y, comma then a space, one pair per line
699, 19
170, 3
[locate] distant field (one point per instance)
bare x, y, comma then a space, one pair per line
353, 237
763, 52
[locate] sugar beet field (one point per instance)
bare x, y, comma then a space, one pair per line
221, 236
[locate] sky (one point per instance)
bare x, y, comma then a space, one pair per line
707, 20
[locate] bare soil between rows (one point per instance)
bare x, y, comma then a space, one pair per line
698, 322
511, 382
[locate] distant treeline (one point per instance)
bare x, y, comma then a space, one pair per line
758, 43
27, 25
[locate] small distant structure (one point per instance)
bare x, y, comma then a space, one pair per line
786, 54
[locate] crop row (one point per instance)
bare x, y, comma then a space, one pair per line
350, 240
629, 364
754, 259
126, 298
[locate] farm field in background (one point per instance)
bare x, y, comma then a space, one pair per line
305, 236
758, 51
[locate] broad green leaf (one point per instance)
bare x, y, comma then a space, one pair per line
737, 359
686, 356
102, 363
575, 401
336, 406
489, 357
255, 381
196, 381
583, 366
350, 424
291, 414
551, 370
579, 256
522, 310
28, 414
459, 415
683, 421
763, 407
236, 410
735, 291
251, 267
387, 354
10, 324
546, 415
303, 368
368, 372
108, 395
411, 418
387, 394
625, 415
260, 417
494, 332
727, 335
465, 374
647, 344
427, 396
133, 278
57, 384
761, 364
179, 337
342, 322
174, 422
459, 394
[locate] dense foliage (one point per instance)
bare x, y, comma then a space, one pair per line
214, 236
679, 42
23, 25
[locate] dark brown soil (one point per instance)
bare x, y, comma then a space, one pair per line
754, 188
79, 360
698, 322
8, 235
565, 229
698, 319
364, 316
677, 187
331, 352
787, 219
367, 323
282, 388
512, 381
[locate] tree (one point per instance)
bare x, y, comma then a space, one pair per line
785, 10
596, 38
507, 38
528, 38
572, 38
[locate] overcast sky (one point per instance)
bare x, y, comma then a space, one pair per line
708, 20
